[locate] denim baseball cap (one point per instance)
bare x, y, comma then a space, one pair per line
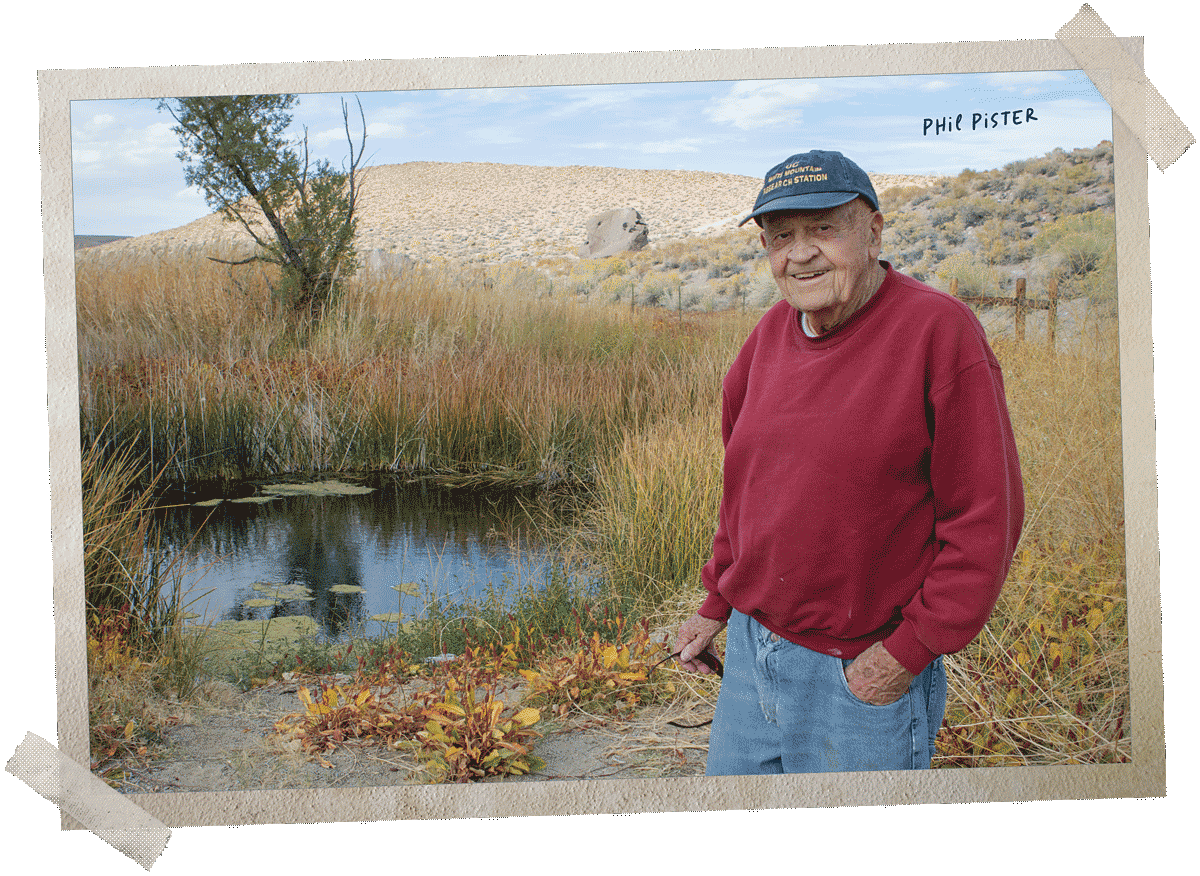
814, 180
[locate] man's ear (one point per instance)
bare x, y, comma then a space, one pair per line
876, 244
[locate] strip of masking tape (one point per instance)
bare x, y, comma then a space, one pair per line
1122, 82
118, 821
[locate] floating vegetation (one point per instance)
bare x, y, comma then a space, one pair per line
394, 617
408, 588
270, 639
260, 603
273, 492
316, 488
283, 592
347, 588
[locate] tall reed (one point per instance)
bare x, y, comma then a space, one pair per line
655, 509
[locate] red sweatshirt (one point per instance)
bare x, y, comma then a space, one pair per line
872, 490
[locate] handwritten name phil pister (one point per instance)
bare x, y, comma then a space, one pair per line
978, 121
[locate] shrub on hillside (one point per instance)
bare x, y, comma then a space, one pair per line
1081, 249
973, 276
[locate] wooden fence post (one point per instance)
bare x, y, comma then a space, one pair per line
1052, 316
1020, 316
1021, 305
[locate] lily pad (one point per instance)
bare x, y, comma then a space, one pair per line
408, 588
347, 588
393, 618
255, 500
260, 603
208, 503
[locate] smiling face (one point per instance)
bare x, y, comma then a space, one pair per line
825, 262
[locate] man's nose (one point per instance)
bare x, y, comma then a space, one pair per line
801, 250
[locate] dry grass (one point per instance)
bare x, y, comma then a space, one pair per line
1047, 681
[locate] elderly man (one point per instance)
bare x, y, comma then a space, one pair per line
872, 496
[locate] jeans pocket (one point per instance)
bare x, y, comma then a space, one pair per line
840, 671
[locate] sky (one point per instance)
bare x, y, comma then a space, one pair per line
127, 180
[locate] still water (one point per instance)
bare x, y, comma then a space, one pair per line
343, 559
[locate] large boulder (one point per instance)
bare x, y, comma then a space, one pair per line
381, 263
614, 231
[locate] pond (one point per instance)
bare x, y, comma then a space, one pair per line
352, 557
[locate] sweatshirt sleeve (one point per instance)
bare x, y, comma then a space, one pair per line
978, 512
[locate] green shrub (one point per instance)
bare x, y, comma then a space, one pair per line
974, 277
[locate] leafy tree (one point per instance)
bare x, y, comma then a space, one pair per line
234, 149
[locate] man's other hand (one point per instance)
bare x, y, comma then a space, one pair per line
876, 677
696, 635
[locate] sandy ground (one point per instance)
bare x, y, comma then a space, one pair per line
230, 744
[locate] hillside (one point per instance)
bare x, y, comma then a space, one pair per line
1040, 218
491, 213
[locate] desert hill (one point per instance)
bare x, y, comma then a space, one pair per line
490, 213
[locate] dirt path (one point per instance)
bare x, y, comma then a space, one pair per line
230, 744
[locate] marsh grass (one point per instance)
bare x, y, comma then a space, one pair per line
655, 508
508, 377
428, 371
142, 660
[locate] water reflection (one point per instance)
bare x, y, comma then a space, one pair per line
352, 552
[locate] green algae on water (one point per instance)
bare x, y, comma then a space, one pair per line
270, 640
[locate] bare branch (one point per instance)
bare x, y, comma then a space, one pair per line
253, 258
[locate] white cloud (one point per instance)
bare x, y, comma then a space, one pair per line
764, 104
683, 144
605, 99
386, 131
322, 139
103, 120
937, 85
86, 156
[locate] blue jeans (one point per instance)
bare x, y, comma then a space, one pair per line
786, 709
